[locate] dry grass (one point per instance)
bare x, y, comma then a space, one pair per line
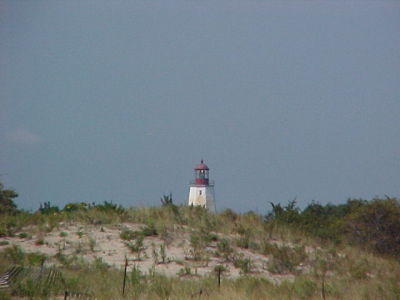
272, 262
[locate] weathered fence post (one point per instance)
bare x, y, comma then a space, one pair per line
219, 277
323, 287
218, 270
123, 286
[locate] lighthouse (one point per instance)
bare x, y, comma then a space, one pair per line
201, 191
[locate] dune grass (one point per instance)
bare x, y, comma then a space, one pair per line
320, 268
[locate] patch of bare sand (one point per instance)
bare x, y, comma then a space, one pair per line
90, 242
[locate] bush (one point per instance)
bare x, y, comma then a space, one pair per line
3, 230
376, 225
137, 246
110, 207
13, 255
197, 244
185, 271
246, 243
326, 221
225, 249
7, 205
75, 206
284, 259
128, 234
163, 253
199, 240
229, 215
288, 214
149, 230
35, 259
100, 265
48, 209
372, 224
243, 263
23, 235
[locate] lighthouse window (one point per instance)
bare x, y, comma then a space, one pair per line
200, 192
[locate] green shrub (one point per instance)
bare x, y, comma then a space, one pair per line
3, 230
62, 258
27, 288
185, 271
198, 244
39, 241
243, 242
289, 214
229, 215
8, 226
110, 207
376, 225
35, 259
224, 249
13, 255
100, 265
48, 209
167, 200
129, 235
149, 230
243, 263
137, 246
219, 270
92, 243
163, 253
75, 206
7, 205
284, 259
23, 235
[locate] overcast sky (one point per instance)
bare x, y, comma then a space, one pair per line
118, 100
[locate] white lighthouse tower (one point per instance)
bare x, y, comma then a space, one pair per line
201, 191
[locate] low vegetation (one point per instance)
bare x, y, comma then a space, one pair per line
345, 251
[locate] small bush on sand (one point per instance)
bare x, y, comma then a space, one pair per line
224, 249
129, 235
243, 263
284, 259
137, 246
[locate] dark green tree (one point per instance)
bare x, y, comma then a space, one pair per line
47, 209
288, 214
7, 205
167, 200
376, 225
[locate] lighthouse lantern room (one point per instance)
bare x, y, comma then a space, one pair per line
201, 191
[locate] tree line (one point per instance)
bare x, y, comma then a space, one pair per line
372, 224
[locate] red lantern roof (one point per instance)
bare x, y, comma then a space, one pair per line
201, 166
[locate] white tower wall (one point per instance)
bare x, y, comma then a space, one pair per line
202, 196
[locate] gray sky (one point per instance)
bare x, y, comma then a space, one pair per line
118, 100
